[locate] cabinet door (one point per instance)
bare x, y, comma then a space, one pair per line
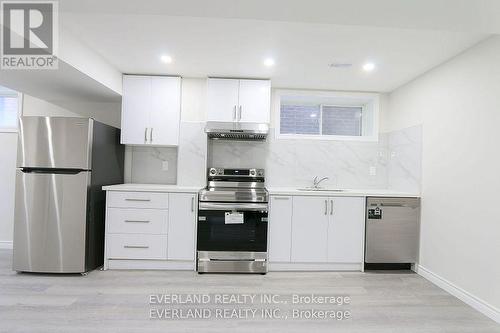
165, 111
309, 229
346, 229
136, 108
222, 99
181, 226
254, 101
280, 229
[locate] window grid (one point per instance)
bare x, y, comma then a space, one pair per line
294, 120
9, 111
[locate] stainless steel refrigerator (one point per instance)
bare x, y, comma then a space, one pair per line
62, 163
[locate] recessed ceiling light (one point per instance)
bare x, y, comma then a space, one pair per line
368, 67
166, 59
269, 62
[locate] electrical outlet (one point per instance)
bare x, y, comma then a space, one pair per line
164, 165
373, 171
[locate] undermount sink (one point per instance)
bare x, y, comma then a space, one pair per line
313, 189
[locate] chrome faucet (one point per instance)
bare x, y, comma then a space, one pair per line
317, 181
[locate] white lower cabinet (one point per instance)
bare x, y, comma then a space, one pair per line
150, 230
310, 229
346, 229
181, 226
280, 229
316, 232
136, 246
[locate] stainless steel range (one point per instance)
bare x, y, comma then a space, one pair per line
232, 222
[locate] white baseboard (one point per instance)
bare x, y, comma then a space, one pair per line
466, 297
5, 245
150, 264
290, 267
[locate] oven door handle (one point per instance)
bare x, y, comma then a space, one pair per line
233, 206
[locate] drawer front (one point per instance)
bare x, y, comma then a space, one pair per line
137, 200
136, 246
137, 221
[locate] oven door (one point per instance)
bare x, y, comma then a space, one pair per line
232, 227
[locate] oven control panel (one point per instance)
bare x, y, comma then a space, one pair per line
235, 172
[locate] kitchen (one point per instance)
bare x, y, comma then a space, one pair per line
241, 173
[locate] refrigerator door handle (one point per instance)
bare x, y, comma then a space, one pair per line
57, 171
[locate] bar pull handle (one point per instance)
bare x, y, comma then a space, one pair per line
151, 135
393, 205
135, 247
234, 112
326, 207
192, 204
281, 198
136, 221
145, 135
331, 207
239, 118
132, 199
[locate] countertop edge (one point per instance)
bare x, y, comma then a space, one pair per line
346, 193
152, 188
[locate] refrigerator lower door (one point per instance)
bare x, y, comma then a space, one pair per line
50, 222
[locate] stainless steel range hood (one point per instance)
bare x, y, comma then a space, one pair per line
237, 131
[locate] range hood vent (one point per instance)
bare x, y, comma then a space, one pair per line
237, 131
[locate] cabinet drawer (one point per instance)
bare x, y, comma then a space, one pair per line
136, 221
138, 200
136, 246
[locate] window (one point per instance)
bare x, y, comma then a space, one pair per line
9, 108
327, 115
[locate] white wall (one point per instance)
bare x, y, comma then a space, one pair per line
458, 104
33, 106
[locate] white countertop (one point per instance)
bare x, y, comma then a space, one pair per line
344, 192
272, 190
151, 188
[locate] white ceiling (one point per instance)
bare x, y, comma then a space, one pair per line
225, 40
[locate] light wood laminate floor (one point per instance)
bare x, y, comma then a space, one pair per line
118, 301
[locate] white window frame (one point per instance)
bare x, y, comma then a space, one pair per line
19, 111
367, 98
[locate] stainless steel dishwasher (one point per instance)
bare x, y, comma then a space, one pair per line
392, 232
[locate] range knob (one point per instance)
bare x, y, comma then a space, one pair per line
252, 172
213, 172
261, 173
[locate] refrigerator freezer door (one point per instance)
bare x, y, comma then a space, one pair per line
50, 222
55, 142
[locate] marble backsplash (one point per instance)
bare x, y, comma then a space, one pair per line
295, 162
394, 162
150, 165
404, 167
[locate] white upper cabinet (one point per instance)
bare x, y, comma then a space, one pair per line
151, 107
309, 229
165, 110
280, 228
346, 229
254, 101
233, 100
222, 99
136, 103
